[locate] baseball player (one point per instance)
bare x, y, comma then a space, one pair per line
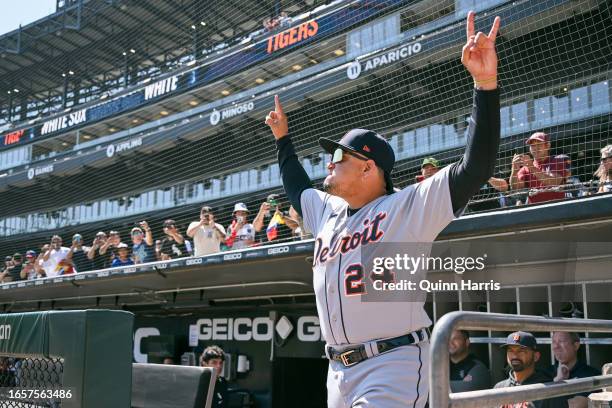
378, 351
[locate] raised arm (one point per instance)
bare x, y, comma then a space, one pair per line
295, 179
478, 162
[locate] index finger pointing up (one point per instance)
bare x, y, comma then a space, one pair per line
494, 28
469, 28
277, 105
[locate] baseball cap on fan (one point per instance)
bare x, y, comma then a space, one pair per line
369, 144
538, 137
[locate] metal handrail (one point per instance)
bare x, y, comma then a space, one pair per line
439, 372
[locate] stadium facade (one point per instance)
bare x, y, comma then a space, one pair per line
160, 123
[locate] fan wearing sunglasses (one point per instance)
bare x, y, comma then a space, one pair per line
368, 329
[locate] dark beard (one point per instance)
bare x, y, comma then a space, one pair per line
328, 188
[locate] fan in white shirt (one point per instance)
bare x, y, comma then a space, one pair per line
207, 234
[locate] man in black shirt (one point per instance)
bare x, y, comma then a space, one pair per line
214, 357
78, 254
522, 355
466, 372
173, 244
565, 347
12, 273
98, 259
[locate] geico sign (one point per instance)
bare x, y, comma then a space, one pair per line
356, 68
257, 329
278, 250
240, 329
5, 331
231, 257
197, 261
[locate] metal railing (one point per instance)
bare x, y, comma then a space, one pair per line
439, 373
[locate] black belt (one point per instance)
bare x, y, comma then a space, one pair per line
354, 355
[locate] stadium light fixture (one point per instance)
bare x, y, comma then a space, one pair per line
296, 67
133, 51
71, 72
16, 90
134, 120
339, 52
64, 144
260, 80
225, 92
111, 129
63, 74
163, 113
8, 92
87, 137
193, 103
124, 53
203, 23
193, 26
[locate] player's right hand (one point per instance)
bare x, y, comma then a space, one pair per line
277, 120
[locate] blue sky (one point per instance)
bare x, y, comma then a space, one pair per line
23, 12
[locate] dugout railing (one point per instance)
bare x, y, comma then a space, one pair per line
85, 356
439, 373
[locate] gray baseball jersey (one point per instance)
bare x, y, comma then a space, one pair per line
414, 215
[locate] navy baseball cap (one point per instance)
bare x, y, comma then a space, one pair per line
521, 338
369, 144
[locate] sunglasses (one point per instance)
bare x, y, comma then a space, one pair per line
339, 155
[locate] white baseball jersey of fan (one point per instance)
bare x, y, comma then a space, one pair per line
416, 215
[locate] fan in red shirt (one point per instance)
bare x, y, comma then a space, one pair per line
541, 173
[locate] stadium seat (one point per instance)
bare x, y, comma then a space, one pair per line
171, 386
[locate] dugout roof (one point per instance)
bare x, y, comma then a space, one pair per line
89, 38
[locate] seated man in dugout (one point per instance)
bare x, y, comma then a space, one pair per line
539, 171
567, 365
522, 355
467, 373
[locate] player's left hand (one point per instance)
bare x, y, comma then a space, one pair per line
479, 56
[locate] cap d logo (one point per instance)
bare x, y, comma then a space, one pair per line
516, 337
366, 148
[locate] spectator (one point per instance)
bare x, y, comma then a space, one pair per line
55, 259
522, 355
110, 247
466, 372
168, 361
143, 249
573, 186
299, 232
214, 357
207, 235
429, 167
543, 173
122, 257
604, 172
8, 263
158, 244
41, 264
565, 347
30, 267
284, 20
240, 234
278, 224
173, 244
78, 254
12, 273
98, 260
